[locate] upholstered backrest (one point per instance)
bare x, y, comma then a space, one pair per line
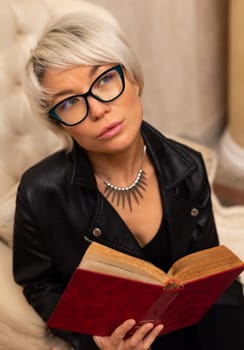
23, 139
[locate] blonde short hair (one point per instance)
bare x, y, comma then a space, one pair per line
82, 38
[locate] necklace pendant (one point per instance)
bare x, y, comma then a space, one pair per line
125, 195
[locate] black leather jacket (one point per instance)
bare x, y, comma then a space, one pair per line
59, 211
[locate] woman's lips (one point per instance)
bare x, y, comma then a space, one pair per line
110, 130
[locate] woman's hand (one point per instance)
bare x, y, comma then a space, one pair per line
140, 340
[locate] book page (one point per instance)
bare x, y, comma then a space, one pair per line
107, 260
101, 267
204, 263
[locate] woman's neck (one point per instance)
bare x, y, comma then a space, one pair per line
120, 168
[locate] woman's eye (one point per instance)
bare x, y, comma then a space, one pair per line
106, 79
69, 102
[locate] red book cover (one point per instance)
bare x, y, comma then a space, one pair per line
96, 303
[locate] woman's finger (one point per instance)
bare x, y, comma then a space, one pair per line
151, 336
140, 334
145, 335
120, 332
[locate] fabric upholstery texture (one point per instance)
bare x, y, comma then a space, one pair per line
24, 141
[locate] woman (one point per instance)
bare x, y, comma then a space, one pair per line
119, 182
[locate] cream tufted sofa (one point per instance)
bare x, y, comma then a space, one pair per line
24, 141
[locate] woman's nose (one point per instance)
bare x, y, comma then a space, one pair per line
97, 109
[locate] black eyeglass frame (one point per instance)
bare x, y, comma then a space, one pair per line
54, 116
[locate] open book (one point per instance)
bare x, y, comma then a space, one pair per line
109, 287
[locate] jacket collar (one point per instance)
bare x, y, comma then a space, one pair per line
171, 164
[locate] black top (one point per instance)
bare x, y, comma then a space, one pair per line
157, 250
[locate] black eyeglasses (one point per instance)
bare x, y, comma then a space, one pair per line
107, 87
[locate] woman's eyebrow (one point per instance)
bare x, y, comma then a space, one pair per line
62, 92
91, 73
93, 70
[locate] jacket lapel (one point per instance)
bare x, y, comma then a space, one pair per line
113, 230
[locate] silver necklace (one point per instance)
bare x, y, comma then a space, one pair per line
125, 195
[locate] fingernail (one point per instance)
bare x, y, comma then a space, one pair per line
160, 327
